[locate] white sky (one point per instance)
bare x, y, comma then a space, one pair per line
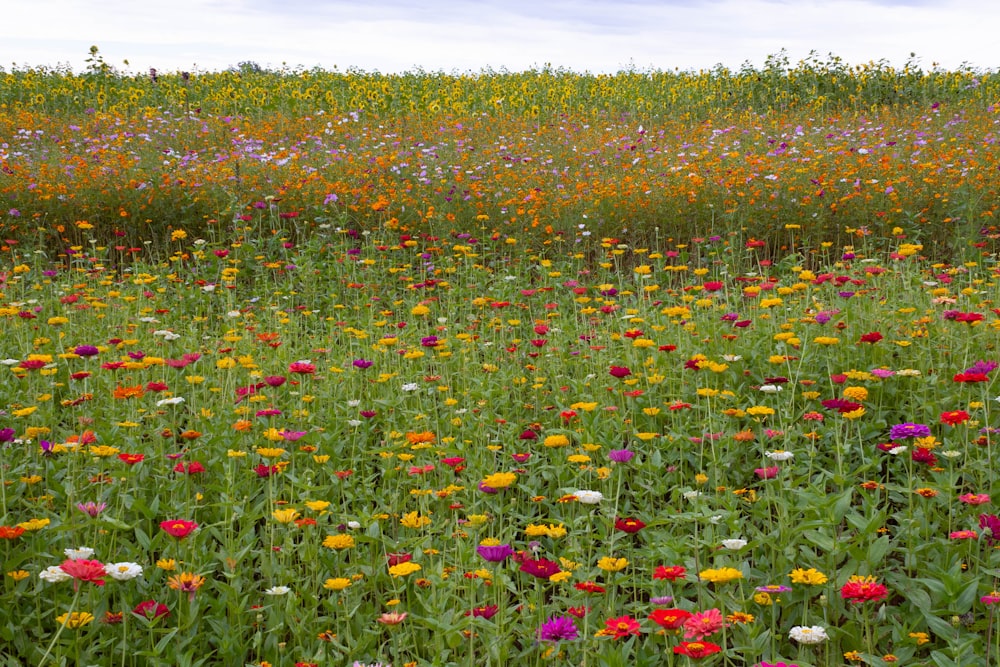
463, 36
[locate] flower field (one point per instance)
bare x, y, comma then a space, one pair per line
586, 386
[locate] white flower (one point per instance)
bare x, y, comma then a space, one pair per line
805, 634
410, 386
908, 372
353, 525
149, 320
734, 544
951, 453
779, 455
10, 362
123, 571
691, 495
176, 400
208, 288
731, 357
166, 334
233, 313
353, 403
588, 497
354, 423
78, 553
770, 388
53, 575
278, 590
897, 450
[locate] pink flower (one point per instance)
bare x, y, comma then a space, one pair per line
702, 624
975, 498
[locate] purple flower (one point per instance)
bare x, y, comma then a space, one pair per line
330, 199
7, 434
984, 367
362, 363
558, 628
495, 553
990, 522
908, 430
91, 508
86, 350
621, 455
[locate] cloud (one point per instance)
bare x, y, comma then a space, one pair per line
397, 35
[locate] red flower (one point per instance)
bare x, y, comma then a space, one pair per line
179, 528
872, 337
623, 626
955, 417
629, 525
10, 532
971, 377
713, 286
589, 587
669, 572
697, 649
579, 612
541, 568
131, 459
191, 468
671, 619
863, 589
85, 570
302, 368
151, 609
620, 371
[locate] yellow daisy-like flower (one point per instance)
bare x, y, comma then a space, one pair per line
499, 480
76, 619
337, 584
415, 520
270, 452
404, 569
286, 515
810, 577
338, 542
721, 575
317, 505
826, 340
557, 440
34, 524
612, 564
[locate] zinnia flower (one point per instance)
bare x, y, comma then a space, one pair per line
697, 650
805, 634
623, 626
85, 570
670, 619
179, 528
558, 628
702, 624
860, 589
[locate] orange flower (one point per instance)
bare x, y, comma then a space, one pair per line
129, 392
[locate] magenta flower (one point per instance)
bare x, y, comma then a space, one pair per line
558, 628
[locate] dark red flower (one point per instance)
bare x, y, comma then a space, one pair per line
541, 567
589, 587
671, 619
629, 525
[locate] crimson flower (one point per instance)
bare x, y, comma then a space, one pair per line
623, 626
179, 528
151, 609
85, 570
872, 337
697, 650
541, 568
669, 572
860, 589
954, 417
589, 587
629, 525
620, 371
671, 619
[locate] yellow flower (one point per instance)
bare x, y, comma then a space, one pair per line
103, 451
921, 637
34, 524
270, 452
560, 576
168, 564
557, 440
612, 564
317, 505
721, 575
826, 340
415, 520
404, 569
760, 411
76, 619
810, 577
339, 541
337, 584
853, 414
18, 575
856, 393
286, 515
499, 480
